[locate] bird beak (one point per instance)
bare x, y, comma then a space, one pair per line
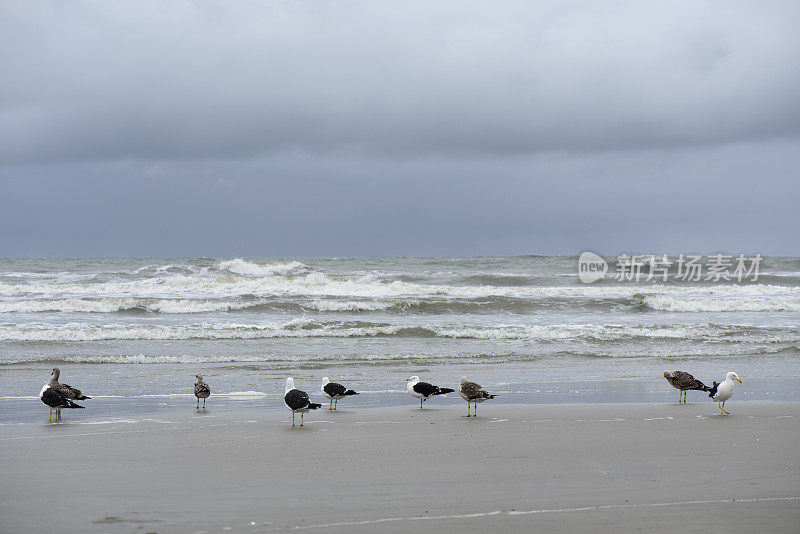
407, 379
740, 381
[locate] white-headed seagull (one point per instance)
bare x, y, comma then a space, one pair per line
722, 392
334, 392
297, 400
423, 390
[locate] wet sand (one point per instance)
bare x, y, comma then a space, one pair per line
515, 468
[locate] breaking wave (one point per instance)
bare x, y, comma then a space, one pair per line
240, 266
678, 304
308, 328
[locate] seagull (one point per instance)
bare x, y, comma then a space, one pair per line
297, 400
58, 395
723, 392
683, 381
335, 391
472, 392
423, 390
201, 391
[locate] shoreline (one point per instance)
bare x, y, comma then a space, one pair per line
562, 468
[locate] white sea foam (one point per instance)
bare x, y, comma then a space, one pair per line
113, 305
240, 266
236, 278
359, 305
299, 328
307, 328
679, 304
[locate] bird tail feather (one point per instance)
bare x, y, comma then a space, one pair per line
314, 406
351, 392
72, 405
442, 391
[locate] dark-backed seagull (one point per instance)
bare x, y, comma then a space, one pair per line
722, 392
58, 395
201, 390
297, 400
423, 390
335, 391
682, 380
472, 392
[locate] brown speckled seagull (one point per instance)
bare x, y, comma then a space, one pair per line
472, 392
201, 391
682, 380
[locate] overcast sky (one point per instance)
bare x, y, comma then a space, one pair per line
343, 128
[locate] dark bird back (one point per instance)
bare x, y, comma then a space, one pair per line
332, 389
298, 400
427, 390
471, 391
55, 399
683, 381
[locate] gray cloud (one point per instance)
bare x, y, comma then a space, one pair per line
294, 128
105, 81
734, 199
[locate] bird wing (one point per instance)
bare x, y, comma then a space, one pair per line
333, 389
471, 390
296, 399
686, 381
68, 391
425, 389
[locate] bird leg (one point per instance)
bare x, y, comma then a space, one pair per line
292, 418
204, 404
51, 415
476, 409
198, 403
335, 403
301, 418
330, 407
420, 403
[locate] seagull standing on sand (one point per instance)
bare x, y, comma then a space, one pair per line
58, 395
472, 392
335, 391
723, 392
297, 400
683, 381
423, 390
201, 391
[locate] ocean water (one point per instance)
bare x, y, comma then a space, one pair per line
526, 327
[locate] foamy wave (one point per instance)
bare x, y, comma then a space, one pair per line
677, 304
89, 332
262, 281
114, 305
605, 333
306, 328
359, 305
240, 266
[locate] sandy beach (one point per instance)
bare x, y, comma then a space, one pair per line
515, 468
